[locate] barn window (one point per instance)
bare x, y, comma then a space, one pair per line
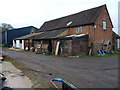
78, 29
69, 23
104, 25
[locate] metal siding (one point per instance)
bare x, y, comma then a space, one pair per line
3, 37
12, 34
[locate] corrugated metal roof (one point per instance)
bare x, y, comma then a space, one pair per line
23, 28
72, 36
50, 34
28, 36
115, 34
80, 35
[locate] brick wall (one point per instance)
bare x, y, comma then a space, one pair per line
85, 30
96, 35
100, 34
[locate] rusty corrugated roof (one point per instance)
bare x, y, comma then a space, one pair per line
50, 34
28, 36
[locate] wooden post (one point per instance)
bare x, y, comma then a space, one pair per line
57, 48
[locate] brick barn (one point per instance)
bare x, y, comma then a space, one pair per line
95, 22
81, 33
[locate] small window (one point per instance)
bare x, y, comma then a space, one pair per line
104, 25
78, 29
69, 23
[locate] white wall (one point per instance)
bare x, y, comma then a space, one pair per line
23, 44
118, 43
14, 44
17, 43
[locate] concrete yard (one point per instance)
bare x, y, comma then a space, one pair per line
81, 72
15, 78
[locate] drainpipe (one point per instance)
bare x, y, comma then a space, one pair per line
93, 45
94, 33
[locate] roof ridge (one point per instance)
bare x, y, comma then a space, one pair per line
77, 13
84, 17
23, 27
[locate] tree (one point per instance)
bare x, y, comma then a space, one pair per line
6, 26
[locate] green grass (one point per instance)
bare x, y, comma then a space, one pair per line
15, 63
1, 45
117, 50
98, 56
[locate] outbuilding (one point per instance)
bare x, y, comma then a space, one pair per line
9, 35
116, 41
94, 22
24, 42
72, 45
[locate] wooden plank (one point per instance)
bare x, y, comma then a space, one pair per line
57, 48
1, 57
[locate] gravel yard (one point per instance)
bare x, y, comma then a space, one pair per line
81, 72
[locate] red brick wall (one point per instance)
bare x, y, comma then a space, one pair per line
106, 35
97, 35
85, 30
101, 34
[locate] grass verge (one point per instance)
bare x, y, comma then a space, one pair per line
98, 56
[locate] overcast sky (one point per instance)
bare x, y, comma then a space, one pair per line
21, 13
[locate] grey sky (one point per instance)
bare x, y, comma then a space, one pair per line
119, 19
20, 13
